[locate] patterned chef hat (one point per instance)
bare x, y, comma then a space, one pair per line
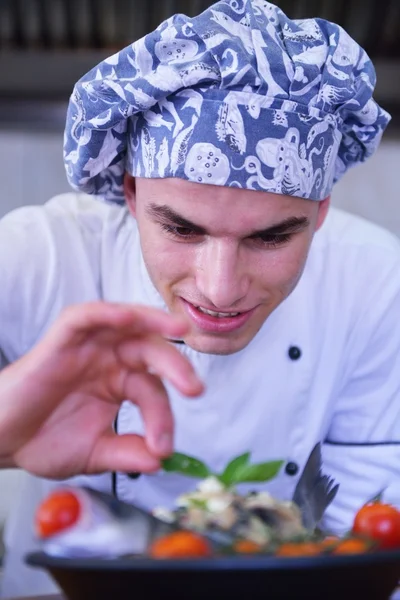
238, 96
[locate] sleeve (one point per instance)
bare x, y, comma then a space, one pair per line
362, 448
26, 280
45, 265
43, 268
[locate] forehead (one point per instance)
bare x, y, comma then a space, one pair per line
199, 202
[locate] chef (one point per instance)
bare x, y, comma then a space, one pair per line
199, 249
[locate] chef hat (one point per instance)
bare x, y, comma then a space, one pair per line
238, 96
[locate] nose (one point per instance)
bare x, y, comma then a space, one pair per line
221, 276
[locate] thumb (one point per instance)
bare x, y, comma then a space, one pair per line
124, 453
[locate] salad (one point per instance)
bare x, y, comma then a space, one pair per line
257, 522
214, 519
215, 505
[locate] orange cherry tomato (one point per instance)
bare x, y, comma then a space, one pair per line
352, 546
246, 547
380, 522
180, 544
58, 512
299, 549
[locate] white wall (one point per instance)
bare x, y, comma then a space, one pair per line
372, 189
31, 168
31, 171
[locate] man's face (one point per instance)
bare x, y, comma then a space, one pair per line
225, 257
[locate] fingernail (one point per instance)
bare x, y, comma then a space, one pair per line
164, 443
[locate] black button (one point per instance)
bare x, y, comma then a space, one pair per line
294, 353
292, 468
134, 475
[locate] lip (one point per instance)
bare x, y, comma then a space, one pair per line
216, 324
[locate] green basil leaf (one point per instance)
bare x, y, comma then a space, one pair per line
186, 465
196, 503
228, 476
257, 473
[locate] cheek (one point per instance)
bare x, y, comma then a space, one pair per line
166, 262
282, 269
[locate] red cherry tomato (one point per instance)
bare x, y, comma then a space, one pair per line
379, 521
58, 512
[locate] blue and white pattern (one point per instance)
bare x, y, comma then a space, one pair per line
238, 96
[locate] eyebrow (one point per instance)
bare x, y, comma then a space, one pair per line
166, 213
291, 224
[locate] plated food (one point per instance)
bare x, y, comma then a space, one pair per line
255, 518
261, 524
213, 520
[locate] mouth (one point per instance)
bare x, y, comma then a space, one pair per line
219, 315
214, 321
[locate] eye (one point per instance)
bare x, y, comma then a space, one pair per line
182, 231
179, 232
271, 240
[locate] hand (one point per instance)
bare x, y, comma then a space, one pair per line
58, 403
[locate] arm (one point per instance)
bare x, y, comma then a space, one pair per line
29, 271
37, 276
58, 402
69, 362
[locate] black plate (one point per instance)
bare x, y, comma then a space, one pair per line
357, 577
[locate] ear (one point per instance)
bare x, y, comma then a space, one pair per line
130, 193
323, 207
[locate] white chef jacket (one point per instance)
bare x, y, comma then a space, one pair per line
340, 386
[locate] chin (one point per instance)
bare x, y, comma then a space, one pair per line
220, 345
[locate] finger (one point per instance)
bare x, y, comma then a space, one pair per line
131, 319
149, 394
122, 453
162, 359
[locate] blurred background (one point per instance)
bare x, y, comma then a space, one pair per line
46, 45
